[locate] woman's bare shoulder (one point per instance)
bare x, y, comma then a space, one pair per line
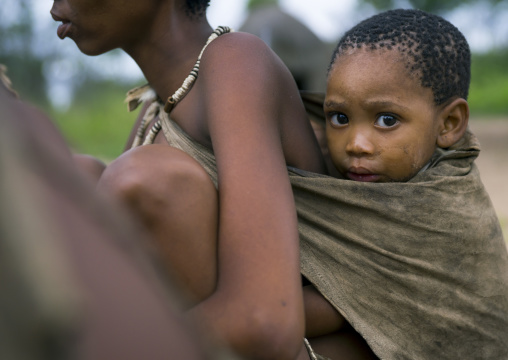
241, 67
239, 42
243, 53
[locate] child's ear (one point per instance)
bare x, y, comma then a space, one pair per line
454, 120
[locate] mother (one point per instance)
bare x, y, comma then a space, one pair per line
239, 262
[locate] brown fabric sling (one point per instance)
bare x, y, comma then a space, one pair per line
419, 269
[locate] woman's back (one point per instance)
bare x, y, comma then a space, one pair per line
218, 88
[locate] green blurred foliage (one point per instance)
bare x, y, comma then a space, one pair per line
25, 69
488, 93
98, 122
252, 4
26, 75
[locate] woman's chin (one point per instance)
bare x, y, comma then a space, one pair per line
91, 49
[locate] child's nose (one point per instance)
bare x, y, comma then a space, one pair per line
359, 143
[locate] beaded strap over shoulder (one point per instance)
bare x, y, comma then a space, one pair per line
140, 94
189, 81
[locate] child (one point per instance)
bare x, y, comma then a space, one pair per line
407, 246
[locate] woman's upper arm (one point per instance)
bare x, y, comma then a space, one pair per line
258, 236
242, 110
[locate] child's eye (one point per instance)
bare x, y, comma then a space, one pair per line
386, 121
339, 119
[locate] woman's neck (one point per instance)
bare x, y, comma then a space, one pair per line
167, 52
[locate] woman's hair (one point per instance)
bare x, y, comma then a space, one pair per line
196, 7
435, 50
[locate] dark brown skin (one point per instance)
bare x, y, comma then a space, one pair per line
383, 126
100, 245
235, 252
90, 165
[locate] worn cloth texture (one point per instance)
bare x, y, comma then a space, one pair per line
419, 269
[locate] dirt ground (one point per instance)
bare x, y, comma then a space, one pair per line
493, 163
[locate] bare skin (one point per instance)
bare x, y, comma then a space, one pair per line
99, 246
256, 304
235, 252
90, 165
382, 125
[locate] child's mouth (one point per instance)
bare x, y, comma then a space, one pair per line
362, 177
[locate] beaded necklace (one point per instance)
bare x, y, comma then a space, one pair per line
174, 99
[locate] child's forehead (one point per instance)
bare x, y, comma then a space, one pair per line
434, 49
381, 58
381, 75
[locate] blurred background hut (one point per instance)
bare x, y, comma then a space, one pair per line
305, 54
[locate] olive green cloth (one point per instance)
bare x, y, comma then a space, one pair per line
419, 269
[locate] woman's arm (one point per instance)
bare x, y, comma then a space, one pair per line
258, 305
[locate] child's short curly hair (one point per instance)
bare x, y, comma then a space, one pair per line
435, 50
196, 7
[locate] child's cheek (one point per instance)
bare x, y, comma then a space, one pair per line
403, 162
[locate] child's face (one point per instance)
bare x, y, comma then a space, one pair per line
381, 123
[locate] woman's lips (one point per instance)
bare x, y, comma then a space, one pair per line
63, 30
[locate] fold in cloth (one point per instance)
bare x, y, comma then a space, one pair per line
419, 269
